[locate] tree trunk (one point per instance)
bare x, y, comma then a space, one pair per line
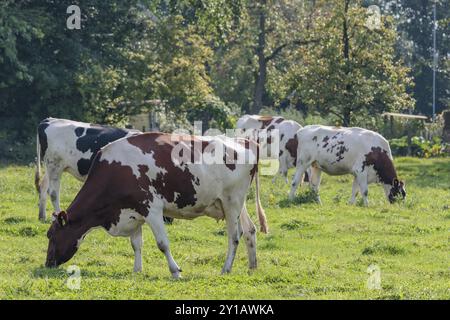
346, 117
348, 88
261, 76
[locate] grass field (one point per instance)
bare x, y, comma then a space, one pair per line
312, 252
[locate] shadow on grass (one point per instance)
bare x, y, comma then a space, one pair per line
309, 196
44, 272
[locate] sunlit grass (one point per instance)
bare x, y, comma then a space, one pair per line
312, 252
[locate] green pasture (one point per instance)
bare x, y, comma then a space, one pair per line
312, 251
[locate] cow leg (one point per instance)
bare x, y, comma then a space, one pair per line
156, 222
54, 175
43, 188
136, 244
297, 179
363, 187
314, 178
354, 191
232, 219
248, 230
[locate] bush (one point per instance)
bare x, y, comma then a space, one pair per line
214, 113
420, 147
399, 147
428, 148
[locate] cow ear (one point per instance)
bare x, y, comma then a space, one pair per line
402, 183
62, 218
395, 182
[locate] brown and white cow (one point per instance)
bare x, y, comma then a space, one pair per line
68, 146
286, 130
136, 180
337, 151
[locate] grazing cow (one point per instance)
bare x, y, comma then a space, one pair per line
138, 179
70, 146
337, 151
288, 143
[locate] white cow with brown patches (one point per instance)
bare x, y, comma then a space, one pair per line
288, 142
136, 180
337, 151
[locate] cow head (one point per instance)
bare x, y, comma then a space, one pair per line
63, 241
397, 190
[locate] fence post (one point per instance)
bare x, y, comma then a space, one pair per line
446, 131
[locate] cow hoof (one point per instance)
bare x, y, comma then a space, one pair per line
252, 267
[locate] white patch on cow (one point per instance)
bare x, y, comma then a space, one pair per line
129, 221
131, 156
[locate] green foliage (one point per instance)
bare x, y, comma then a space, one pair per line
419, 147
399, 147
352, 71
214, 113
426, 148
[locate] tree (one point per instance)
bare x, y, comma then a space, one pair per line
414, 19
352, 71
259, 48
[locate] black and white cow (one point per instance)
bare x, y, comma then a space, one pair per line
68, 146
288, 142
138, 179
337, 151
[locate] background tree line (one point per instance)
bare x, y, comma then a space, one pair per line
215, 59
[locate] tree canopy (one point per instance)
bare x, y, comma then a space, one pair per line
213, 60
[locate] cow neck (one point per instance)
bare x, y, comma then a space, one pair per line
382, 164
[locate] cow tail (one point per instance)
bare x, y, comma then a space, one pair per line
259, 209
37, 174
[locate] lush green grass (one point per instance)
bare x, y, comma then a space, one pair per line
312, 252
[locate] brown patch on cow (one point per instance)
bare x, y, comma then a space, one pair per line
279, 120
382, 164
291, 147
267, 120
175, 179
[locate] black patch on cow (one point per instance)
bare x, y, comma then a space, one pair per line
96, 138
79, 131
291, 146
314, 139
339, 154
279, 120
43, 136
230, 158
83, 166
325, 141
